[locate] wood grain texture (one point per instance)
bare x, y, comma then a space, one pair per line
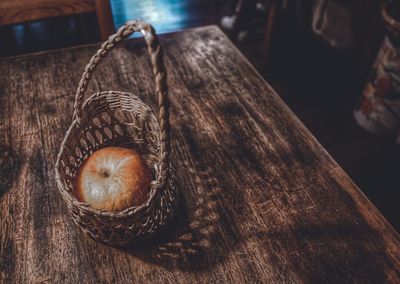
17, 11
262, 201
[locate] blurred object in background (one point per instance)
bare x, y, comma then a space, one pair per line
252, 20
379, 108
27, 26
350, 26
168, 15
353, 26
48, 34
23, 11
248, 16
332, 21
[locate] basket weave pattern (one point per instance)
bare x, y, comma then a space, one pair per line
120, 119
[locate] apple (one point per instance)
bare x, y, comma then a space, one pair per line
113, 179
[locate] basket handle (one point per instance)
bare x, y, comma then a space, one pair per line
160, 78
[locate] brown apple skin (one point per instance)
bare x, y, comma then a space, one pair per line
113, 179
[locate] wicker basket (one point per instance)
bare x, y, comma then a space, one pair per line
121, 119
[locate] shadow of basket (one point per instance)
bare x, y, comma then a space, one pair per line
195, 240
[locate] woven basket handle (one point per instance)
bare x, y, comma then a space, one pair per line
160, 78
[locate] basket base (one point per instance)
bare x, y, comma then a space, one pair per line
153, 225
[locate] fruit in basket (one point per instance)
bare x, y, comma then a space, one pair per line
113, 179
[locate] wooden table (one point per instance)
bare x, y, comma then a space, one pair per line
262, 201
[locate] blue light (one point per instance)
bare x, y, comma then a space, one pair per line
164, 15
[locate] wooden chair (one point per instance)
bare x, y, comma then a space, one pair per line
19, 11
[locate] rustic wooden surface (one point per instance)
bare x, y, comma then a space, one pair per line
262, 201
17, 11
